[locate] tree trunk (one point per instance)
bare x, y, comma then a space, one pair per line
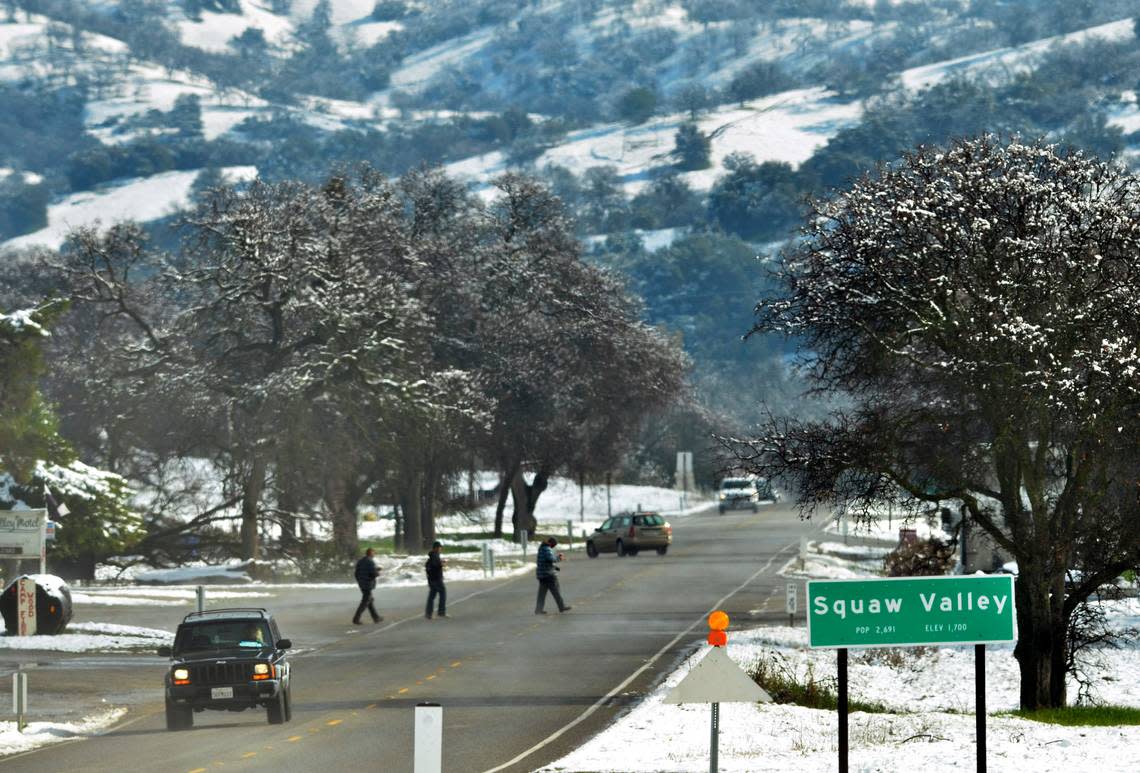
1042, 638
427, 513
410, 500
250, 500
525, 497
343, 512
398, 541
504, 491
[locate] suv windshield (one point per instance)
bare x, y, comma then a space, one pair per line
736, 483
222, 634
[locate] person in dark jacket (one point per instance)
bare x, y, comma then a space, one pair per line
366, 574
434, 568
547, 579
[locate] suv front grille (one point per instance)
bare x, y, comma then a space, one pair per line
221, 673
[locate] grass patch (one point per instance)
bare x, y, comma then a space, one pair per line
780, 681
1081, 716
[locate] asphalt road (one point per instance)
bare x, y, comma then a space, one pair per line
518, 690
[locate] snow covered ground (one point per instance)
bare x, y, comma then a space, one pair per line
92, 637
37, 734
928, 693
142, 199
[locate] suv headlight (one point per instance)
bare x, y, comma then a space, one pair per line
261, 668
262, 671
181, 675
723, 495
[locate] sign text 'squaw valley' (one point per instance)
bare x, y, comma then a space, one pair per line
975, 609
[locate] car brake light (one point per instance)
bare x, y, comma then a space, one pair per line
668, 529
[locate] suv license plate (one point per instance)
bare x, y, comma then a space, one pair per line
221, 692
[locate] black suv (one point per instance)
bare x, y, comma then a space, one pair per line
227, 660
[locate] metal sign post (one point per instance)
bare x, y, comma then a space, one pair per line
715, 680
790, 603
201, 594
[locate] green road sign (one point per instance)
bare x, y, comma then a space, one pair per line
910, 611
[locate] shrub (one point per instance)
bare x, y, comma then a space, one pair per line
921, 558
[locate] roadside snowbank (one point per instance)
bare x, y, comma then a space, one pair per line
38, 734
92, 637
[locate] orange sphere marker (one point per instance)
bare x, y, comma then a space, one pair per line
718, 638
718, 621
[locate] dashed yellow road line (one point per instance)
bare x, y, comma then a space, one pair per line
429, 677
456, 664
370, 706
295, 738
403, 690
247, 755
198, 770
334, 722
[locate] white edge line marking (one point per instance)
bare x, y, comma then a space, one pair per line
601, 701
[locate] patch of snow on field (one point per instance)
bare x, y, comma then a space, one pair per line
36, 734
787, 127
1004, 61
92, 637
214, 31
141, 199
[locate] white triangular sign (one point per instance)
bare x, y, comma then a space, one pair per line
717, 679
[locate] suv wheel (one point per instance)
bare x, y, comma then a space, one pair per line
620, 548
721, 508
178, 717
288, 704
662, 550
591, 550
276, 710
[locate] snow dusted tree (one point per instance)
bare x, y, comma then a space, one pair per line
569, 364
979, 306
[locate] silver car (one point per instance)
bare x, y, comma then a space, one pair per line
628, 533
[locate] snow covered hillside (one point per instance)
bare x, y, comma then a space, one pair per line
226, 83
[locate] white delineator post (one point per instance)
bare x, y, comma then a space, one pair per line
201, 594
429, 738
20, 699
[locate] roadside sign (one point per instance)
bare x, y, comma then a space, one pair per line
26, 606
790, 598
22, 533
910, 611
49, 530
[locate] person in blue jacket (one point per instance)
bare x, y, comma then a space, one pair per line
366, 574
547, 579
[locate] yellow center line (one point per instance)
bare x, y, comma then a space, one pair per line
456, 664
419, 681
292, 739
247, 755
334, 722
430, 677
198, 770
370, 706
